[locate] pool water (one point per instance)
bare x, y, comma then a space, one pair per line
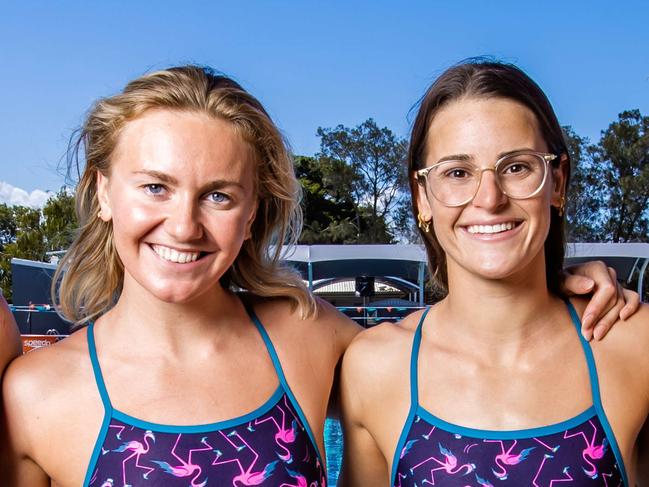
333, 439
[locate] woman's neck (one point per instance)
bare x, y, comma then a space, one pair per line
502, 317
173, 327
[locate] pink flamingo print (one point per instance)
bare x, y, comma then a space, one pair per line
399, 477
186, 468
137, 449
427, 436
300, 479
407, 447
553, 449
118, 435
609, 475
592, 451
506, 458
483, 482
284, 435
538, 472
449, 465
568, 478
246, 476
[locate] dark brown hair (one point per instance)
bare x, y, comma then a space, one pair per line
483, 78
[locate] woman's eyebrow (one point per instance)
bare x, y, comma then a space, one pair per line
455, 157
169, 179
162, 176
467, 157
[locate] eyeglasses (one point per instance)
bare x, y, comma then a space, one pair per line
520, 175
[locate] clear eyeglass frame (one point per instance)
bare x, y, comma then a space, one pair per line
547, 158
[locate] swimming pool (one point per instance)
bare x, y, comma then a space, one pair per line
334, 447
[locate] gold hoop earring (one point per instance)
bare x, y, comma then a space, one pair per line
562, 205
423, 224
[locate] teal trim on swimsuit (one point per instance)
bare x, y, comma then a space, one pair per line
414, 396
108, 408
597, 399
597, 409
110, 412
96, 369
103, 431
506, 434
282, 378
202, 428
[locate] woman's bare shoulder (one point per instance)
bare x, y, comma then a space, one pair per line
382, 351
629, 339
37, 376
43, 386
327, 323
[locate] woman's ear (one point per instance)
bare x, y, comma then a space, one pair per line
251, 220
421, 197
105, 211
559, 178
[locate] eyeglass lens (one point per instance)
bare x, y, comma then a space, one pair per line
518, 176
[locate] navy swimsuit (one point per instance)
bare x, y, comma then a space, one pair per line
270, 446
581, 451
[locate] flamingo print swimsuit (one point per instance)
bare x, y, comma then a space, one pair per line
581, 451
270, 446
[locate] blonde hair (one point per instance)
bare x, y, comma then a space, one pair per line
88, 280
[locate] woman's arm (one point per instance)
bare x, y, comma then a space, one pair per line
10, 345
643, 456
363, 463
19, 394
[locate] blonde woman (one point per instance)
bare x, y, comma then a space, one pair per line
178, 380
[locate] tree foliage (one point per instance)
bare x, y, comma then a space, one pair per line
375, 175
30, 233
610, 183
623, 157
326, 203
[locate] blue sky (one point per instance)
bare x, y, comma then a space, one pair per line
311, 63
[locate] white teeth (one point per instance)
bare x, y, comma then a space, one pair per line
501, 227
173, 255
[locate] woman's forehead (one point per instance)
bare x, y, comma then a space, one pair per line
170, 140
482, 127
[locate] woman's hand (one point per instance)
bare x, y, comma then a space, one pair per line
609, 301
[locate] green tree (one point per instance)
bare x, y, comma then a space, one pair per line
328, 208
583, 206
377, 181
610, 183
28, 243
622, 155
59, 221
29, 233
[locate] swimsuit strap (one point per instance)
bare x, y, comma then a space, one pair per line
590, 360
96, 369
594, 387
414, 361
269, 345
280, 374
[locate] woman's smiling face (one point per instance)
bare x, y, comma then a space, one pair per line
493, 236
181, 198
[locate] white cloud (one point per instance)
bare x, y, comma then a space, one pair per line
11, 195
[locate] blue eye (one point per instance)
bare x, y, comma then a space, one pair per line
154, 189
217, 197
